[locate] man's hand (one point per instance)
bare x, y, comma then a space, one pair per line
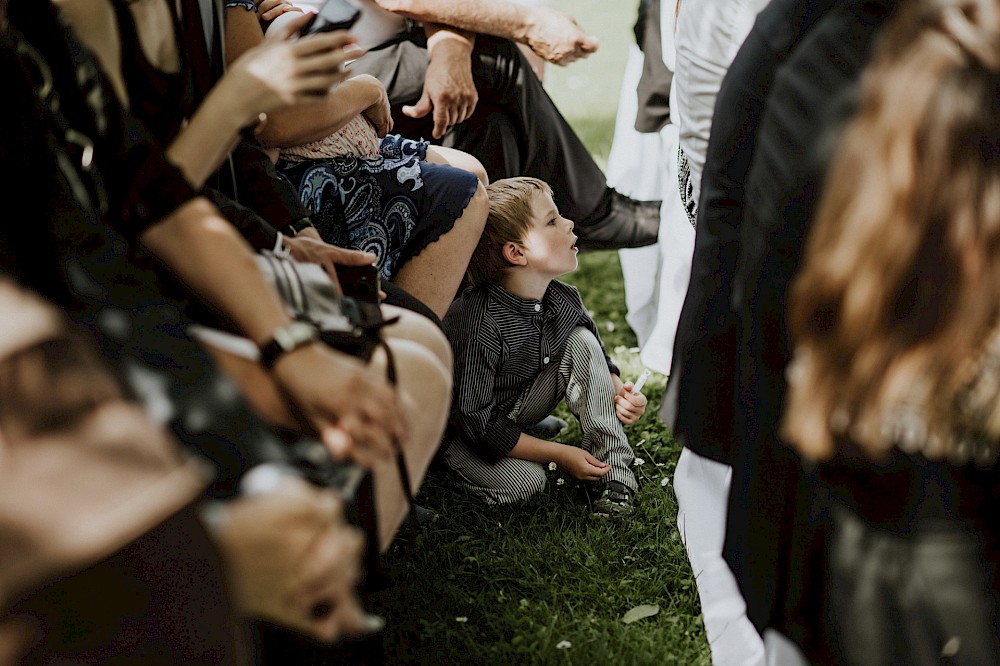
629, 407
294, 560
352, 408
581, 465
308, 247
448, 87
557, 37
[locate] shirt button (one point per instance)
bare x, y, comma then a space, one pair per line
538, 306
545, 360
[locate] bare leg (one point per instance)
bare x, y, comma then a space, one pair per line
417, 328
425, 396
459, 159
434, 275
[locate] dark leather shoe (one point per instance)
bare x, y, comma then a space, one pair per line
619, 223
547, 428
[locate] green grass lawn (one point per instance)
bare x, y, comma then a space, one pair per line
543, 582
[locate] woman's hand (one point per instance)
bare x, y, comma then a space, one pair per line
351, 406
310, 248
293, 559
281, 71
268, 10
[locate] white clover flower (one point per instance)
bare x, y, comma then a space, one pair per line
563, 645
560, 482
665, 481
638, 461
461, 618
552, 467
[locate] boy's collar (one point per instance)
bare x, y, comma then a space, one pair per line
513, 302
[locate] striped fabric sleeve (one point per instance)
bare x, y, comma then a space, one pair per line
485, 427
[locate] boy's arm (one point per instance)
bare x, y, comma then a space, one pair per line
488, 431
578, 463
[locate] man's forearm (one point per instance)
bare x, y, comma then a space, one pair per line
488, 17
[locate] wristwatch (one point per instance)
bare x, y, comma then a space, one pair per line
285, 339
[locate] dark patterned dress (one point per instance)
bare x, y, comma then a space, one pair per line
394, 204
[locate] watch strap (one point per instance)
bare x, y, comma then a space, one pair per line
287, 339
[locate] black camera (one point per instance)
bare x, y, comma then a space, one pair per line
334, 15
361, 283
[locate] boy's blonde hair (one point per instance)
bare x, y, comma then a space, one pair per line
508, 222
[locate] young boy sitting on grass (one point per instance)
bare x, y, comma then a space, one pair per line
522, 342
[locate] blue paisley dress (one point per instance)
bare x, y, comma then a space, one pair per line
393, 205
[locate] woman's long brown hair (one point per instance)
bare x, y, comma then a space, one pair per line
900, 285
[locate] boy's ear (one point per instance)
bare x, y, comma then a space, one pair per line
513, 254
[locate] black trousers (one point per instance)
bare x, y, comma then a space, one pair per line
516, 129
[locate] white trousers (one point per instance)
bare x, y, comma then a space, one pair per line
702, 488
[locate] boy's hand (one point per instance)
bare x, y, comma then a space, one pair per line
581, 465
629, 406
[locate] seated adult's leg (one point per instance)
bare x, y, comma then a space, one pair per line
436, 273
424, 385
546, 146
458, 159
418, 329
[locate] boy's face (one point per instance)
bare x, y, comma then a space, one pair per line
550, 244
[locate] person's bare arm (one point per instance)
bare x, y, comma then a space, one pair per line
315, 119
355, 413
551, 34
272, 75
311, 121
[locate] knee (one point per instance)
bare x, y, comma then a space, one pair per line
476, 167
422, 376
420, 330
464, 160
582, 343
530, 481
